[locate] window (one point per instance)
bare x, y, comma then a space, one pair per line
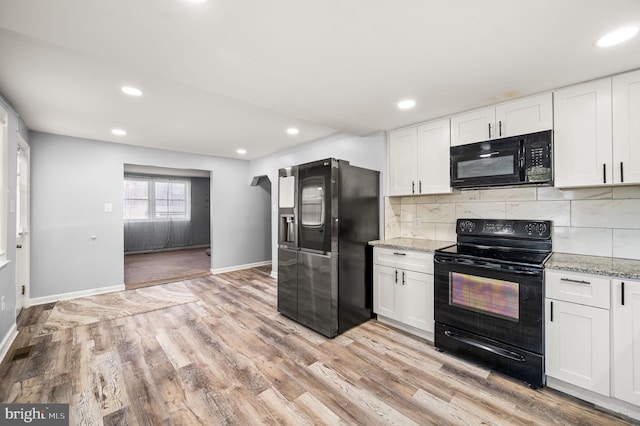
136, 199
171, 200
156, 199
4, 141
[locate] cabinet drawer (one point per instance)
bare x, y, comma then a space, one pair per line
573, 287
410, 260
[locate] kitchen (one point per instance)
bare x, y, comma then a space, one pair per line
592, 221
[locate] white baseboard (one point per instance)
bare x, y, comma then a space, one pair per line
239, 267
8, 341
605, 403
74, 295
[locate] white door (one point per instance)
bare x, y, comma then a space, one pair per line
626, 341
473, 126
528, 115
402, 162
22, 226
415, 308
626, 128
583, 134
433, 157
577, 345
385, 281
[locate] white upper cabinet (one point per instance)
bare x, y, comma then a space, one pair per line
597, 132
583, 137
527, 115
433, 157
473, 126
403, 166
626, 128
419, 159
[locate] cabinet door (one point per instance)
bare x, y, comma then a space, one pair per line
626, 128
385, 291
528, 115
626, 341
577, 345
473, 126
403, 165
417, 300
433, 157
583, 134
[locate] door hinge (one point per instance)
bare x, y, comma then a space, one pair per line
23, 290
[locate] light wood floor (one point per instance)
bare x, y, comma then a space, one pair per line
230, 358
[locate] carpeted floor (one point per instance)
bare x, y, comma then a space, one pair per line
142, 270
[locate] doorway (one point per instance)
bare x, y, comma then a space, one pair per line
166, 224
22, 225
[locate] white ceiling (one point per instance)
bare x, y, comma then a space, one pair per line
230, 74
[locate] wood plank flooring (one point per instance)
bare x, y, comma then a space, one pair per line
230, 358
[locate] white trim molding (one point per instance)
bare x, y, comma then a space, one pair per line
239, 267
8, 340
74, 295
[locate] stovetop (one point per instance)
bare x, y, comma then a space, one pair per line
500, 254
526, 242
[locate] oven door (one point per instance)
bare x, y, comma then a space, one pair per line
489, 163
482, 299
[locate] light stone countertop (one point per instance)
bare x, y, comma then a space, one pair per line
416, 244
610, 266
597, 265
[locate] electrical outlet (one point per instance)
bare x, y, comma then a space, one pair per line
416, 222
2, 303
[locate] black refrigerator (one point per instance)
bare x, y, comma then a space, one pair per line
328, 211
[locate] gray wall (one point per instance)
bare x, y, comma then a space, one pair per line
8, 272
368, 152
200, 208
73, 178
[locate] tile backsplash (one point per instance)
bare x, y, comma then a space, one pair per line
591, 221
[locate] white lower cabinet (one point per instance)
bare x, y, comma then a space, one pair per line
403, 287
592, 339
577, 335
577, 345
626, 340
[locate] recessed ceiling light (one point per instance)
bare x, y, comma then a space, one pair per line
133, 91
196, 1
616, 37
241, 151
119, 132
293, 131
406, 104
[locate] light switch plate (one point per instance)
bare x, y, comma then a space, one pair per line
108, 208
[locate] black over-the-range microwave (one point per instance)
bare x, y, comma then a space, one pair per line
516, 160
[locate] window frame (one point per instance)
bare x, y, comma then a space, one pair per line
152, 210
4, 186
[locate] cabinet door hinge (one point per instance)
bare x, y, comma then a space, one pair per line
23, 290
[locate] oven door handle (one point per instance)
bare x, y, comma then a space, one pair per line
486, 346
486, 266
